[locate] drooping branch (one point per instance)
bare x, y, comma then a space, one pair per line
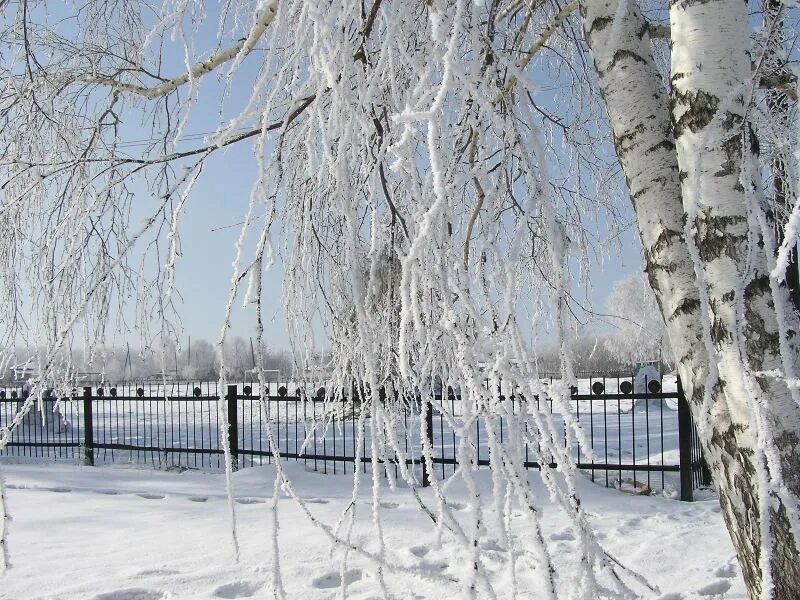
241, 49
555, 23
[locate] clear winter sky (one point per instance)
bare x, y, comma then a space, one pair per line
204, 272
219, 200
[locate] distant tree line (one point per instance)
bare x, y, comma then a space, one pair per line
195, 359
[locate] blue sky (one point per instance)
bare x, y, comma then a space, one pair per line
220, 198
209, 233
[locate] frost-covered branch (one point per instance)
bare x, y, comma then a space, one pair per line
266, 10
436, 178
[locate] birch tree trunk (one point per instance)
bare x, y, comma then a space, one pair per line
711, 76
710, 66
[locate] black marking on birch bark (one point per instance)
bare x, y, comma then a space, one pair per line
785, 565
719, 236
664, 240
759, 285
598, 24
627, 138
762, 337
686, 358
700, 109
739, 473
619, 55
732, 147
720, 333
654, 182
688, 306
789, 444
667, 145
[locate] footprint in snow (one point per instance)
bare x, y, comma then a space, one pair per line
131, 594
726, 571
108, 492
156, 573
671, 596
60, 490
419, 551
14, 486
197, 498
389, 505
250, 500
491, 546
564, 535
315, 501
150, 496
456, 505
334, 580
238, 589
716, 588
435, 565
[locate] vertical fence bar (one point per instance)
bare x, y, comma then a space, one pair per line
685, 444
88, 428
233, 426
426, 477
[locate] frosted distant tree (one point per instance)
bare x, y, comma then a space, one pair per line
432, 172
199, 361
639, 332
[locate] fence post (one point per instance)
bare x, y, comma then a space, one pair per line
88, 428
685, 444
426, 477
233, 427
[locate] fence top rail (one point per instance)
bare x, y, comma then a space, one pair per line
299, 398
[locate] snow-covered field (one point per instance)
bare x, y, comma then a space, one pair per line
111, 533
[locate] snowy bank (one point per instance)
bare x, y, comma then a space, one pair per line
110, 533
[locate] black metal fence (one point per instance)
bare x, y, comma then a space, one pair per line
641, 437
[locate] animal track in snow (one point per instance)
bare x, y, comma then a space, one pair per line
107, 492
131, 594
315, 501
197, 498
389, 505
726, 571
151, 496
156, 573
333, 580
716, 588
250, 500
238, 589
59, 489
435, 565
491, 546
565, 534
456, 505
419, 551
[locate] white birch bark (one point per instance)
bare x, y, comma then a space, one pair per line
711, 74
637, 103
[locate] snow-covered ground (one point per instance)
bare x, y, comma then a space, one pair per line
111, 533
